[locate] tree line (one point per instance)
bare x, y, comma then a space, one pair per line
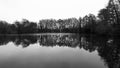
106, 22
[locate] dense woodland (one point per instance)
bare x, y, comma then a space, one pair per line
106, 23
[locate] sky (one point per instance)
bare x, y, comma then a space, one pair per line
35, 10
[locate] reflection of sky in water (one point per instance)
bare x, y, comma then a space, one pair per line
36, 56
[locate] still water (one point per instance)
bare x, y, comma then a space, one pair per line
55, 51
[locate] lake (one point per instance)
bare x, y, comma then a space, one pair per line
59, 50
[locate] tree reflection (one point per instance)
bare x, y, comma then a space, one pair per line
25, 40
60, 40
110, 52
108, 47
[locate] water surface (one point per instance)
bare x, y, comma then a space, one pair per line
53, 51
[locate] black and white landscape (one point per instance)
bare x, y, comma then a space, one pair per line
69, 34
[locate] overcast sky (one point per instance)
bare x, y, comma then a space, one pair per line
35, 10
